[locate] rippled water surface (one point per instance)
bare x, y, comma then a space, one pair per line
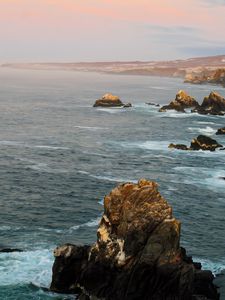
59, 156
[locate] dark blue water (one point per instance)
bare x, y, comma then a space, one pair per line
59, 156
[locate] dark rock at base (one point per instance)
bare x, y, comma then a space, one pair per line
202, 142
9, 250
221, 131
137, 254
153, 104
109, 100
178, 146
181, 102
127, 105
214, 104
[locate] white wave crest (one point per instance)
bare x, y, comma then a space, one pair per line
26, 267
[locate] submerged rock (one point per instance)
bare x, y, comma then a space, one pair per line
137, 254
153, 104
9, 250
181, 102
221, 131
109, 100
214, 104
202, 142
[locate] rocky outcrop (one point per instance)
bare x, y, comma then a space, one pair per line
137, 254
109, 100
221, 131
216, 76
202, 142
152, 104
214, 104
181, 102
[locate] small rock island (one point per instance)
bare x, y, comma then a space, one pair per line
214, 104
137, 254
109, 100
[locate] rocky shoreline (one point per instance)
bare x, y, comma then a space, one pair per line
137, 254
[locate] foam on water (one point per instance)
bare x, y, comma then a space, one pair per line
207, 131
211, 178
114, 110
26, 267
25, 145
91, 128
214, 266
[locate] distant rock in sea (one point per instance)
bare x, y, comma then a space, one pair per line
152, 104
214, 104
109, 100
137, 254
202, 142
221, 131
181, 102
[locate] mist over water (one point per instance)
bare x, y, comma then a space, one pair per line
59, 156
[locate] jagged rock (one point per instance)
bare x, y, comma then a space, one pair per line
221, 131
202, 142
214, 104
109, 100
181, 102
137, 254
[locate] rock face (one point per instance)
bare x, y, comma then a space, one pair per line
137, 254
214, 104
221, 131
182, 101
202, 142
109, 100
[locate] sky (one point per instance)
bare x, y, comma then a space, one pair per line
110, 30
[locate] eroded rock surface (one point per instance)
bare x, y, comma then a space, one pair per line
181, 102
214, 104
137, 254
202, 142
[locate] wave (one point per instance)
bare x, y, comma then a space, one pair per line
147, 145
108, 178
114, 110
25, 145
209, 177
26, 267
91, 127
91, 223
205, 122
207, 131
216, 267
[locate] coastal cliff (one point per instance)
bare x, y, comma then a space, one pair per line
137, 254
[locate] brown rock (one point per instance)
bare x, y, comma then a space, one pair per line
214, 104
181, 102
137, 254
109, 100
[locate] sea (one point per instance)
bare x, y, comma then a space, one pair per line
59, 157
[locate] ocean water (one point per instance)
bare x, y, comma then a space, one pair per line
59, 156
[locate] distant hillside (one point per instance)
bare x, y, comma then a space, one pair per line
187, 68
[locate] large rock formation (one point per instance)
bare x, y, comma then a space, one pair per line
214, 104
109, 100
202, 142
206, 75
221, 131
137, 254
182, 101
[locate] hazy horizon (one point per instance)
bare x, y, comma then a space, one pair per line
96, 31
